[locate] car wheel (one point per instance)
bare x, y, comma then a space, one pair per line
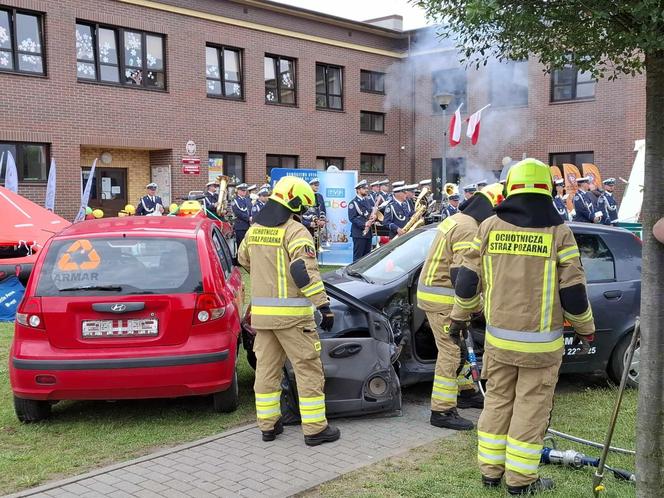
251, 359
31, 410
616, 365
227, 401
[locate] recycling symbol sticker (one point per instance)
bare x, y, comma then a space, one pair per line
79, 256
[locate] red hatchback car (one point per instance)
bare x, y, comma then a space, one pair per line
128, 308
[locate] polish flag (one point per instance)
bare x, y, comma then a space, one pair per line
473, 131
455, 128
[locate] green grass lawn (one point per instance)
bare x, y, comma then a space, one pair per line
448, 468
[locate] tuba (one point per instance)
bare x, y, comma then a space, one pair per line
421, 206
222, 203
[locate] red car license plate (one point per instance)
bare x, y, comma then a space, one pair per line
119, 328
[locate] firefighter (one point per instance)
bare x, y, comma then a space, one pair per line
526, 262
435, 295
150, 204
280, 256
242, 211
611, 204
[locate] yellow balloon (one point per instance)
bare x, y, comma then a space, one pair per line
130, 209
98, 213
173, 208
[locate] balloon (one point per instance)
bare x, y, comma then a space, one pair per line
88, 210
130, 209
98, 213
173, 208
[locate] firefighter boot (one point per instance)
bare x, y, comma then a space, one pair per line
541, 484
469, 398
491, 482
327, 435
272, 435
450, 419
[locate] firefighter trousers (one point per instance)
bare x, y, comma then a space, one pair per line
446, 383
301, 345
516, 414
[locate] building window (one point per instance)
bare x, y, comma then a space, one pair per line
322, 163
372, 81
372, 163
32, 160
223, 70
451, 81
280, 80
329, 87
576, 158
275, 161
21, 41
571, 84
372, 121
230, 163
120, 56
509, 83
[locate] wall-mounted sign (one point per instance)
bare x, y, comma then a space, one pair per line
191, 165
191, 148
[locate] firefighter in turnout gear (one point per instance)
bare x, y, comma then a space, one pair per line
526, 262
286, 287
452, 386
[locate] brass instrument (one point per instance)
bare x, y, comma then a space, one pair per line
372, 219
451, 189
222, 203
421, 206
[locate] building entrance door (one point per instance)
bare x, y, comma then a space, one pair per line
109, 189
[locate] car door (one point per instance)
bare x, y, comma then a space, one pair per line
357, 356
232, 276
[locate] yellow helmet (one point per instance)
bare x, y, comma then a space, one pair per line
129, 209
529, 176
493, 192
293, 193
173, 208
98, 213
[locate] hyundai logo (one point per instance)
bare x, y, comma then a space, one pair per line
118, 308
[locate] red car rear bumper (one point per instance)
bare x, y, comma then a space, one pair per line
82, 376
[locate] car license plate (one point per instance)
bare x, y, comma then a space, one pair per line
93, 329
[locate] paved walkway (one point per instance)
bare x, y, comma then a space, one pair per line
238, 463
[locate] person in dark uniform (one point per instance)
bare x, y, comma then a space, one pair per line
242, 211
263, 194
468, 192
211, 199
559, 199
151, 203
409, 190
359, 212
398, 184
385, 190
584, 210
611, 204
375, 191
397, 213
319, 206
451, 208
481, 184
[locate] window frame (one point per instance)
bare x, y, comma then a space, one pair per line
372, 116
327, 93
455, 101
13, 51
602, 242
222, 74
574, 86
119, 33
224, 261
20, 155
572, 155
494, 86
224, 155
372, 75
373, 157
326, 160
276, 59
281, 157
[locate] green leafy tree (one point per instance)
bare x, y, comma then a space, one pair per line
609, 38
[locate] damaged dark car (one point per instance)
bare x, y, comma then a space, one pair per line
381, 340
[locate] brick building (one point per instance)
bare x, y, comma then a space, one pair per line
256, 84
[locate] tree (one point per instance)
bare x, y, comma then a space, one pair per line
609, 39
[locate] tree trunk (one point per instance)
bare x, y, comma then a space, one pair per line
650, 427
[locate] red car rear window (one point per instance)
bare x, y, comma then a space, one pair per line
120, 266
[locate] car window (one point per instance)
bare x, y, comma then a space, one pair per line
227, 251
397, 258
596, 258
218, 242
120, 266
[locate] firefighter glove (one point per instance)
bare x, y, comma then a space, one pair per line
327, 321
477, 321
457, 329
583, 342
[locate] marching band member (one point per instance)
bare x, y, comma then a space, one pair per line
211, 199
242, 210
397, 212
151, 203
263, 194
359, 213
468, 192
452, 207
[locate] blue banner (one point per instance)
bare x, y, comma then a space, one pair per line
338, 189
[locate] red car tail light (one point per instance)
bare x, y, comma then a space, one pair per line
29, 313
209, 306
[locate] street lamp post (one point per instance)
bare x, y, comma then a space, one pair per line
443, 100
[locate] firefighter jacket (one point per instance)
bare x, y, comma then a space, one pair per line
532, 282
454, 239
285, 282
